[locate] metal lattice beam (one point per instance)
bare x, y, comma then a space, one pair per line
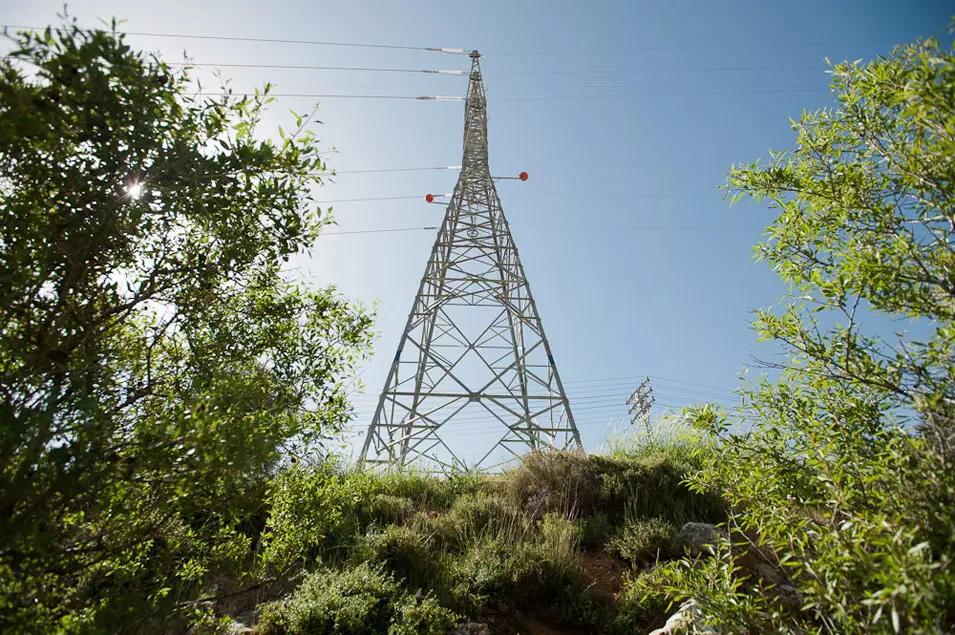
473, 348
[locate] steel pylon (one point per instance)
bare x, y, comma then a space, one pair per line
473, 360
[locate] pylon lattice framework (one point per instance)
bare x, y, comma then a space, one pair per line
473, 343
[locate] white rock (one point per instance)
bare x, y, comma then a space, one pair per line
687, 619
472, 628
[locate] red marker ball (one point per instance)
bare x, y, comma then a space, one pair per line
429, 198
522, 176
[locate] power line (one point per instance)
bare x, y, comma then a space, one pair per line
624, 382
376, 231
321, 68
689, 228
525, 98
682, 94
330, 96
461, 73
688, 383
623, 194
452, 428
710, 69
456, 51
451, 72
630, 378
582, 166
525, 194
374, 198
231, 38
707, 47
627, 167
617, 394
721, 86
445, 167
514, 74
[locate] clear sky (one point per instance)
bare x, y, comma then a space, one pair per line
627, 115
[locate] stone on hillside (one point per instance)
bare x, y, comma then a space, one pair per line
472, 628
238, 628
687, 619
696, 536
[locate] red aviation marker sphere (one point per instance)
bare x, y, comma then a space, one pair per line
429, 198
522, 176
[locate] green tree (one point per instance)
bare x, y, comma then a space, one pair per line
154, 363
847, 479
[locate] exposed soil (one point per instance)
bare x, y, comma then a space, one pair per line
534, 627
604, 572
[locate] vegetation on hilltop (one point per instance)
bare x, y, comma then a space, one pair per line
484, 548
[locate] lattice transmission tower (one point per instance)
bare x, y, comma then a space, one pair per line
474, 369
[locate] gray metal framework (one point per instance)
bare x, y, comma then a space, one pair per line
473, 367
641, 401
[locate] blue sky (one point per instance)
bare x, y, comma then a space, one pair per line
627, 115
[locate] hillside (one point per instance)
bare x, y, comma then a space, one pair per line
563, 543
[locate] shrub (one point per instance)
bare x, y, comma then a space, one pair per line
478, 575
363, 600
594, 530
648, 482
644, 541
385, 509
536, 574
559, 539
307, 503
421, 616
574, 605
481, 513
443, 530
357, 601
644, 601
521, 574
427, 491
405, 551
552, 482
410, 484
456, 485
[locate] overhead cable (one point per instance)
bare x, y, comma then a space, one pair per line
560, 226
754, 91
672, 94
444, 167
376, 231
322, 68
329, 96
526, 194
706, 47
231, 38
633, 71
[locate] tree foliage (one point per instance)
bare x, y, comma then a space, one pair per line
154, 363
845, 486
